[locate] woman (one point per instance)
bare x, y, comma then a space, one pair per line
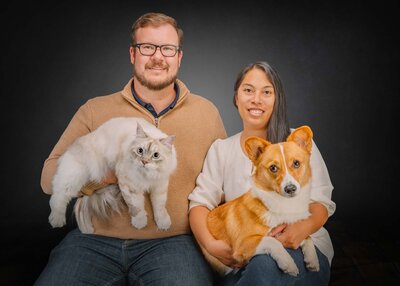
260, 100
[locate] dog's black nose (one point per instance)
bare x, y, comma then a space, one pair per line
290, 189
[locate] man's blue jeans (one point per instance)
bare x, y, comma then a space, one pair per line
82, 259
263, 270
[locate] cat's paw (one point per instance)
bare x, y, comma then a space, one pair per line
57, 219
140, 220
163, 222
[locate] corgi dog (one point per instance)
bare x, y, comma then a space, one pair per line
280, 193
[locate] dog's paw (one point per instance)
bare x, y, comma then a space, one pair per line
310, 255
140, 220
312, 265
292, 270
57, 219
163, 222
288, 266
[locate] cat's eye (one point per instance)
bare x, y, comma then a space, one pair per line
156, 155
296, 164
273, 168
140, 151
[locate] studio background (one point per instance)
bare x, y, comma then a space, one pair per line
338, 62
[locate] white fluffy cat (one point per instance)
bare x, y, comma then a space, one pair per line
143, 158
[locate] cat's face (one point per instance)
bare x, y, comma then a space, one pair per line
150, 154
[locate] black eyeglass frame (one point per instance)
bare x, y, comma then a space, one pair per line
177, 49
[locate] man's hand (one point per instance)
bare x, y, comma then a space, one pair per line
110, 178
91, 187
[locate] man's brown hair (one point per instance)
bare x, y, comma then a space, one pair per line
155, 20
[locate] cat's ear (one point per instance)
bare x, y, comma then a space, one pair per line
140, 132
168, 141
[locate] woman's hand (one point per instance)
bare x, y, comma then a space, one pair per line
223, 252
217, 248
291, 235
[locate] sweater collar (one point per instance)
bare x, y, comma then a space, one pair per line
150, 107
127, 92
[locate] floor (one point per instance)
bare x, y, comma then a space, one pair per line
366, 254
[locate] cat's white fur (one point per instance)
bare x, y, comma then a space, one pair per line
114, 146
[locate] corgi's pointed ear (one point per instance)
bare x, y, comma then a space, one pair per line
140, 132
254, 147
302, 136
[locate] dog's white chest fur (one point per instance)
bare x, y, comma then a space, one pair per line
283, 209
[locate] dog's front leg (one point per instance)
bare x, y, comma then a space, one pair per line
310, 254
273, 247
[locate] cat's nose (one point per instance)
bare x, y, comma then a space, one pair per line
144, 162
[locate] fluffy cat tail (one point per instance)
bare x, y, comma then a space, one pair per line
101, 204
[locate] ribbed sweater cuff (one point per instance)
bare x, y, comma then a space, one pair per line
91, 187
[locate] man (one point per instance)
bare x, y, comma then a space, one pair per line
118, 253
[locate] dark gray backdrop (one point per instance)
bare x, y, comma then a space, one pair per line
339, 64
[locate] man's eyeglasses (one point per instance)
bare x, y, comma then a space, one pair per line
150, 49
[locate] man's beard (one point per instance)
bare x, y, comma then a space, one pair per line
155, 85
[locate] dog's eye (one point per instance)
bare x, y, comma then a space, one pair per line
273, 168
140, 151
296, 164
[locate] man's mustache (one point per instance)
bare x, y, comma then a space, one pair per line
156, 65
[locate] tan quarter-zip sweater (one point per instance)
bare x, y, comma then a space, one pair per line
195, 122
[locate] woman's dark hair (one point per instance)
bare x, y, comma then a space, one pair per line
278, 125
